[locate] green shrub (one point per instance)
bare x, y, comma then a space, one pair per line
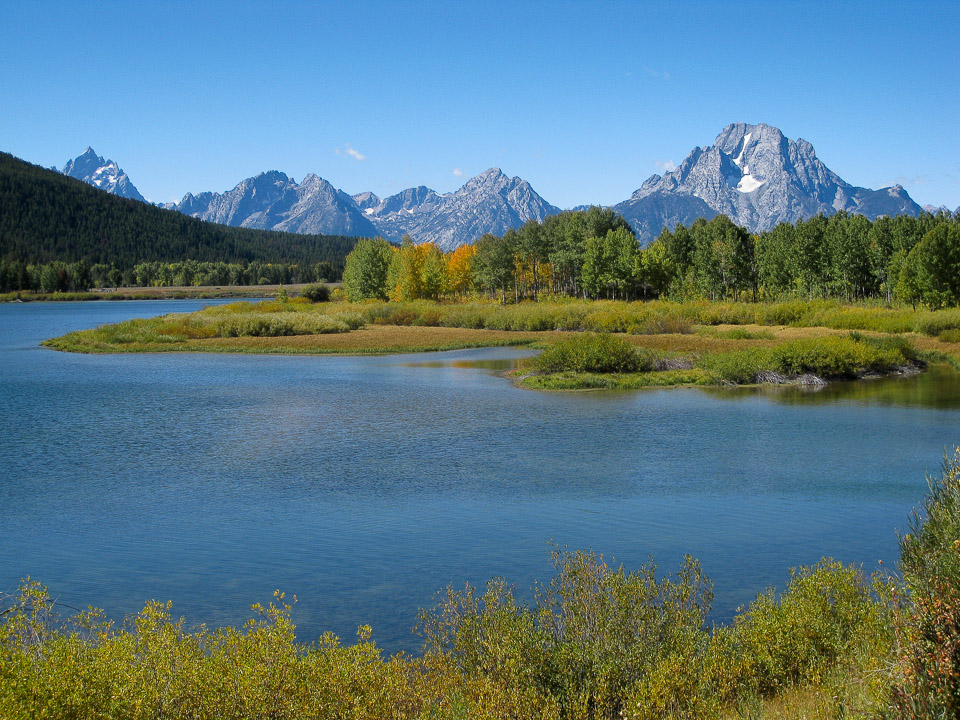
375, 312
826, 613
662, 325
280, 324
609, 321
928, 617
784, 313
739, 367
352, 319
950, 336
739, 333
935, 323
465, 316
593, 352
316, 293
836, 356
428, 318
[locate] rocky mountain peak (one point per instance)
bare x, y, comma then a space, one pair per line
366, 200
104, 174
274, 201
758, 177
489, 179
489, 202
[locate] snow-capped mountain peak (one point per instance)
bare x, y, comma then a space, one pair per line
104, 174
758, 178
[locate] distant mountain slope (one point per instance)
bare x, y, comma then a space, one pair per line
752, 173
104, 174
272, 201
46, 216
758, 178
488, 203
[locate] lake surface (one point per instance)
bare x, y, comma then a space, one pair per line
366, 485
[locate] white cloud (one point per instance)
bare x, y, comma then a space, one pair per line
458, 172
666, 166
348, 150
904, 181
659, 74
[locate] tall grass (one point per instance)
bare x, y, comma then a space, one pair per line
660, 316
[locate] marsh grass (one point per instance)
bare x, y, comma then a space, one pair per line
606, 381
577, 363
594, 353
738, 333
700, 329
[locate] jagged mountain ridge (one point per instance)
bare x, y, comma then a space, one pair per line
752, 173
758, 178
104, 174
273, 201
488, 203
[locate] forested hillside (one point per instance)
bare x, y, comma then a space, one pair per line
46, 217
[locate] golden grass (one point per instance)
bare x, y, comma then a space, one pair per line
370, 340
696, 343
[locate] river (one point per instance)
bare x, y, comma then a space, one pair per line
366, 485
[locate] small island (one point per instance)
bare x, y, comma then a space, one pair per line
585, 344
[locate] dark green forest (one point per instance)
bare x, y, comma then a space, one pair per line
83, 234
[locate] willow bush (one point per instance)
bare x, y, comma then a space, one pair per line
594, 352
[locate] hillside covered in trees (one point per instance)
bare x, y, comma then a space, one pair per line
47, 218
594, 254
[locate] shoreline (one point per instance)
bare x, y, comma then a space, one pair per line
679, 345
178, 292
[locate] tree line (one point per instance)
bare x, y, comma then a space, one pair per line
595, 254
46, 217
80, 276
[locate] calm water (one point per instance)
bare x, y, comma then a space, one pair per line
365, 485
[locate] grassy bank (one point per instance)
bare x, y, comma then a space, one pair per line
588, 360
598, 641
185, 292
682, 344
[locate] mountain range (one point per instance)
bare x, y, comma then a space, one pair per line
752, 173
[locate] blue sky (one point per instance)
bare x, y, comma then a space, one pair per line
584, 100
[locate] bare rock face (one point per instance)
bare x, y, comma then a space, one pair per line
272, 201
489, 203
104, 174
758, 178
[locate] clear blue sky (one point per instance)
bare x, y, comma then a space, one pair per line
585, 100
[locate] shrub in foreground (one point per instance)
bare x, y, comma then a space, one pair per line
928, 616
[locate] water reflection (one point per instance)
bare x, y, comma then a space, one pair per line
938, 388
493, 359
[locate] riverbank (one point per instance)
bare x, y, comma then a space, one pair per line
687, 344
184, 292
